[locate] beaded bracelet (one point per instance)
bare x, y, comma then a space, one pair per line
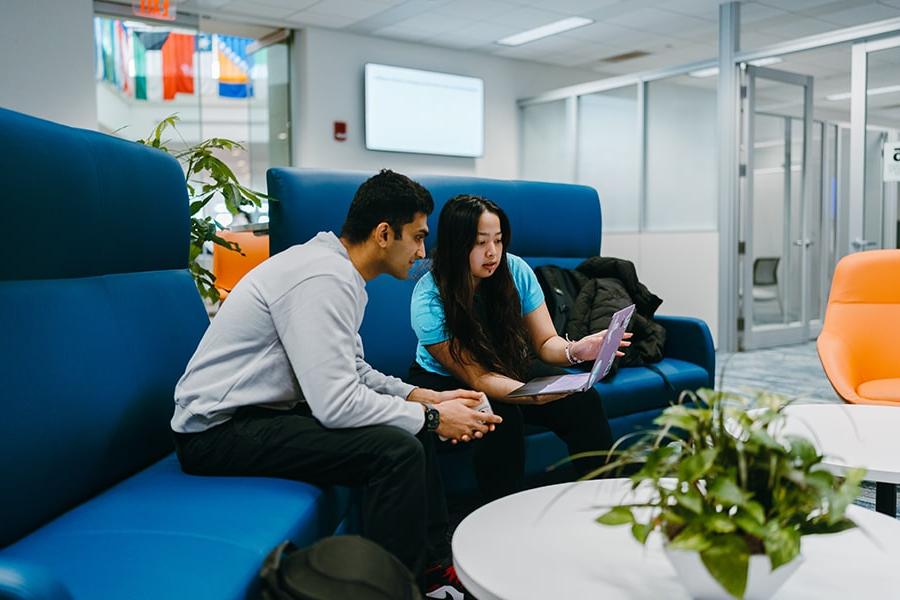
573, 360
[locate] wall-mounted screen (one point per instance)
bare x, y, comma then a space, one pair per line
424, 112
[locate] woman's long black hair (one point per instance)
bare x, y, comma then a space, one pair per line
497, 343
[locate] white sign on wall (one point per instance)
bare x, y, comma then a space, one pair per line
892, 161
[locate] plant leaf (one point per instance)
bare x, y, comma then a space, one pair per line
727, 561
641, 531
696, 466
619, 515
726, 490
782, 545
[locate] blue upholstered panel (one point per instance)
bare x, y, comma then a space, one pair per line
164, 534
316, 200
310, 201
93, 204
89, 367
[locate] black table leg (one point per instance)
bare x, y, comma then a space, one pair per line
886, 498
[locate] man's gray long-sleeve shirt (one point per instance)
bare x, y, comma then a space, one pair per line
289, 332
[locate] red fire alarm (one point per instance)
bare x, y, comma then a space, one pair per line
340, 131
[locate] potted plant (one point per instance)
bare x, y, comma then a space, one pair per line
728, 490
206, 177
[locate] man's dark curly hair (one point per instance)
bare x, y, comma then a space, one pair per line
387, 197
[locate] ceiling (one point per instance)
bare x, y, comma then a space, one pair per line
670, 32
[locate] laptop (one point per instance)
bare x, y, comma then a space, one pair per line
579, 382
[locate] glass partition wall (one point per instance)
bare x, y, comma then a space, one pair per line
804, 186
217, 86
647, 147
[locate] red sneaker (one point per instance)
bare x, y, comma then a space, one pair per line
441, 583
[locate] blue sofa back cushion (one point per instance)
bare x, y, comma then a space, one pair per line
543, 232
94, 184
89, 369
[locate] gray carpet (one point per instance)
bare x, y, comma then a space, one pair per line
794, 371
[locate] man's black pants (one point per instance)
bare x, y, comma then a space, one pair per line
403, 509
499, 458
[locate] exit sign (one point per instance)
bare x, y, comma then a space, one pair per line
154, 9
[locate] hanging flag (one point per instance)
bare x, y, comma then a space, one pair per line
178, 65
107, 48
140, 66
122, 57
234, 66
98, 47
148, 53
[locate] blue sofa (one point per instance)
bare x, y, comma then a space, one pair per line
98, 318
551, 224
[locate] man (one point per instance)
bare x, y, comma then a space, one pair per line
279, 387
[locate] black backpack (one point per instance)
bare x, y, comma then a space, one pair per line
336, 568
561, 287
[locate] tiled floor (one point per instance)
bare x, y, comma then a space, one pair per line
794, 371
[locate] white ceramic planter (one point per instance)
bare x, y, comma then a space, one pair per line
762, 582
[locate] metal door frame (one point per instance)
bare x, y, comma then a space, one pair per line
752, 337
854, 230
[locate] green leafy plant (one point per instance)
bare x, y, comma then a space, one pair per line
207, 177
726, 482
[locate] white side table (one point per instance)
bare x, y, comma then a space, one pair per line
855, 435
544, 543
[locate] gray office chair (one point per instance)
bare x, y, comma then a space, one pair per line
765, 280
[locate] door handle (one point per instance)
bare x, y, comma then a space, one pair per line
803, 243
861, 244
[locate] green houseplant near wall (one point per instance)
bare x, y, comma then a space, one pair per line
207, 177
731, 489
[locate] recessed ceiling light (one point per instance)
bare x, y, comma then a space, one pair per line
870, 92
760, 62
544, 31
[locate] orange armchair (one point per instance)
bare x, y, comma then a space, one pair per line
229, 266
860, 341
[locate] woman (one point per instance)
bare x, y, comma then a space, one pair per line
480, 317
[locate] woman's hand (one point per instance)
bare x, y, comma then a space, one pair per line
588, 347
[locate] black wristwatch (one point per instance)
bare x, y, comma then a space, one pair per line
432, 418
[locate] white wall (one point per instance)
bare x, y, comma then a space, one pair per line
328, 77
682, 268
47, 60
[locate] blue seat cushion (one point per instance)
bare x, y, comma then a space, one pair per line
635, 390
165, 534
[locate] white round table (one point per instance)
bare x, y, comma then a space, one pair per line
855, 435
544, 544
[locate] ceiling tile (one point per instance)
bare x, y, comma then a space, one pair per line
862, 14
352, 9
604, 33
792, 26
703, 9
261, 10
661, 21
475, 9
294, 5
398, 32
753, 12
526, 18
430, 23
305, 17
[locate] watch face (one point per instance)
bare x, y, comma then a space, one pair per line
432, 418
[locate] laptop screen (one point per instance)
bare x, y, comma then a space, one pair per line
614, 333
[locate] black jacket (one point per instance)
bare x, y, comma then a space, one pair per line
612, 284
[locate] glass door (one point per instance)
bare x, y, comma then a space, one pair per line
874, 125
780, 224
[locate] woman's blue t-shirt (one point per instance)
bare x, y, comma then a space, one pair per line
427, 309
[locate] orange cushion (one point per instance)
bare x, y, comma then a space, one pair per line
880, 390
